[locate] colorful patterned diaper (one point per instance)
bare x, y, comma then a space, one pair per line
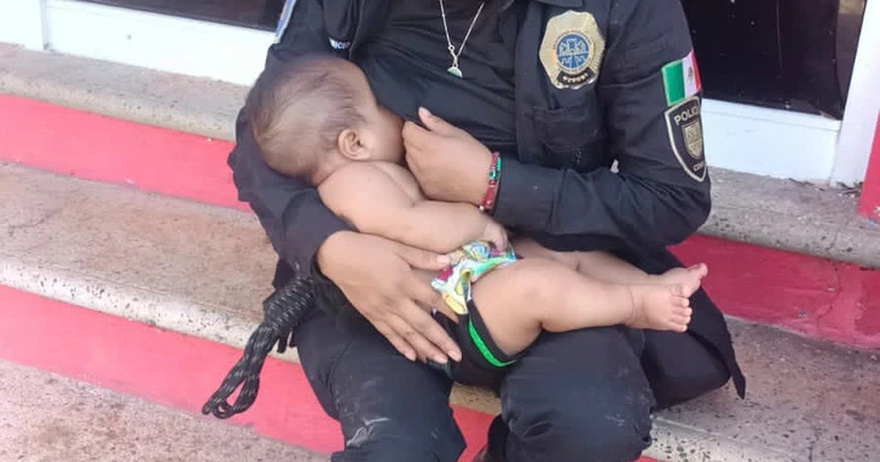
469, 264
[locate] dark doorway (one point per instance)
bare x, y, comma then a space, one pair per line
257, 14
790, 54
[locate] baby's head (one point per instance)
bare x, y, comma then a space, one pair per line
316, 114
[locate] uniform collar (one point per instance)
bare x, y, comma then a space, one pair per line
559, 3
563, 3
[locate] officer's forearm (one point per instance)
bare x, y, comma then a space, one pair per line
292, 214
305, 230
296, 221
616, 210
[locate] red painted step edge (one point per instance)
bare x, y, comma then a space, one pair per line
814, 296
810, 295
109, 150
173, 369
869, 204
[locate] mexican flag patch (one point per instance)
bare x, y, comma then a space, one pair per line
681, 79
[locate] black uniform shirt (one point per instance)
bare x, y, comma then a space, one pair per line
404, 63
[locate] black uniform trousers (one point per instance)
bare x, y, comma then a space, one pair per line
583, 396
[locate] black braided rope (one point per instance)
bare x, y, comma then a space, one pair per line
283, 311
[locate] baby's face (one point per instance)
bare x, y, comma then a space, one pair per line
382, 130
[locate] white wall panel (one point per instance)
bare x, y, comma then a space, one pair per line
167, 43
21, 23
769, 142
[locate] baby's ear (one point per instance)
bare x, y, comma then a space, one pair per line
350, 145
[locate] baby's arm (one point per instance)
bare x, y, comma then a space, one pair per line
376, 203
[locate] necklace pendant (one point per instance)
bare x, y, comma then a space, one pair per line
454, 70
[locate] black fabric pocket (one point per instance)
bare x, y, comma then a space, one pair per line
572, 136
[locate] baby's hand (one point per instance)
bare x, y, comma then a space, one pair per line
495, 234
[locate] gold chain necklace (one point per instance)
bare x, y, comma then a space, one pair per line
454, 69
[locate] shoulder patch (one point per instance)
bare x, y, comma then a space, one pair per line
685, 129
571, 50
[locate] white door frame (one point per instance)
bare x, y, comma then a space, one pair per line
863, 103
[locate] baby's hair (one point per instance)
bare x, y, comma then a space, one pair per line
297, 109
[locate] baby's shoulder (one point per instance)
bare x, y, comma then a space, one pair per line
394, 170
353, 176
359, 169
403, 177
356, 173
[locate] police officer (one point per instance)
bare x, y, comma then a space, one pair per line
563, 89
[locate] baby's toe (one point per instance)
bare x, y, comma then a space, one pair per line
677, 324
700, 269
684, 311
678, 290
681, 302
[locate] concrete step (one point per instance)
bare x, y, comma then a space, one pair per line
201, 270
47, 417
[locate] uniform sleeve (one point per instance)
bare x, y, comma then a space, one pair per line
290, 211
660, 195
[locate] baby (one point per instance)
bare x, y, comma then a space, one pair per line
317, 119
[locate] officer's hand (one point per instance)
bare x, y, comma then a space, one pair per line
449, 164
495, 234
377, 277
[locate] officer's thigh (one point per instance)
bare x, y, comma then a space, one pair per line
390, 409
577, 396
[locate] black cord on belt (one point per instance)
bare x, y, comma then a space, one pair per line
283, 311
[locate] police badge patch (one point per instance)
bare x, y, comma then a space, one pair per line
686, 136
571, 51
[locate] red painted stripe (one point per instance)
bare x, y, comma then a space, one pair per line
818, 297
95, 147
806, 294
869, 204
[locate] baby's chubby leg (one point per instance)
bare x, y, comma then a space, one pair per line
517, 302
597, 265
606, 267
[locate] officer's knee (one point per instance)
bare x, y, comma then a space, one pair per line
578, 434
685, 385
705, 381
388, 441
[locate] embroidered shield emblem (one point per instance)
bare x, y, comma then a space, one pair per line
693, 138
685, 130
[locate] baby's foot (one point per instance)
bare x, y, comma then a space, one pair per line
663, 307
682, 275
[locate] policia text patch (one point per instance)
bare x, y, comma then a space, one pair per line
686, 136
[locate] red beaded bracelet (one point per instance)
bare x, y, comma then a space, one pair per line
488, 202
